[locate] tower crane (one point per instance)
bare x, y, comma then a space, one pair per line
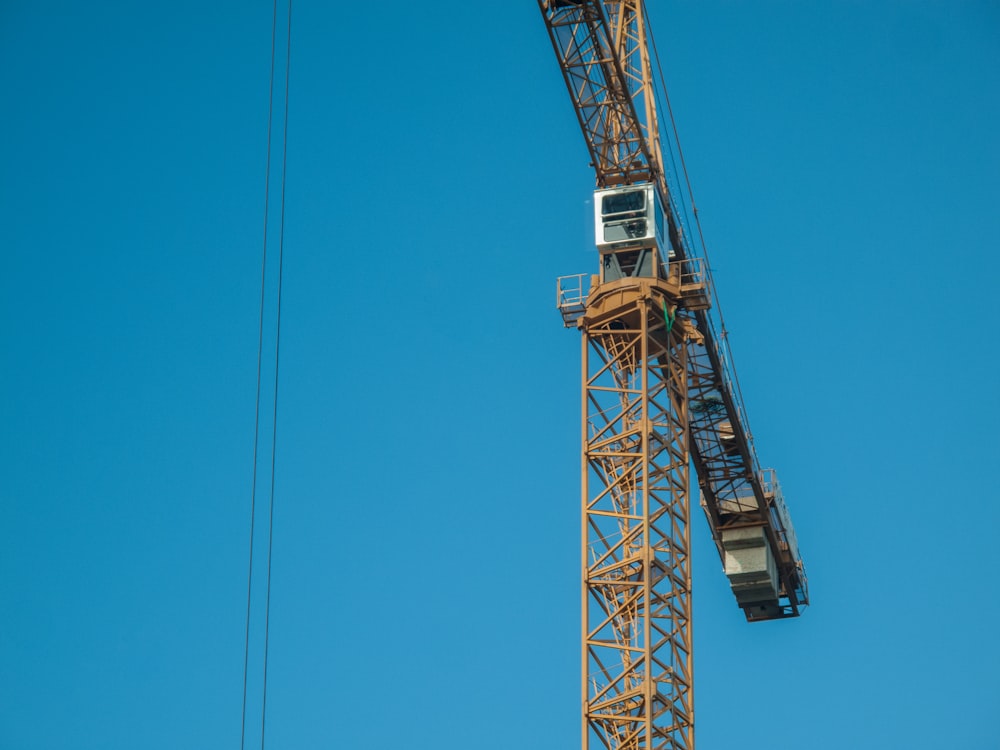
659, 395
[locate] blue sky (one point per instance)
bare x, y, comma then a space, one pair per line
425, 585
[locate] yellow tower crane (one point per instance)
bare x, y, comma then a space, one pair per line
659, 395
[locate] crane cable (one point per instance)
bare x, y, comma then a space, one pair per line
723, 332
260, 348
684, 170
677, 140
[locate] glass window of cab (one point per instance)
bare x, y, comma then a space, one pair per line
617, 203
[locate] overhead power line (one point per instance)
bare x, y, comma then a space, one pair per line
260, 369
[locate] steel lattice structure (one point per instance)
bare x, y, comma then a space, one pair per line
660, 395
595, 51
636, 519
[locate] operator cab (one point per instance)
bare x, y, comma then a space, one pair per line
630, 231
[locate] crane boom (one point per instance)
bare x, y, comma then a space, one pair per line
609, 92
659, 394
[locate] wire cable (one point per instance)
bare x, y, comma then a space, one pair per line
277, 360
260, 350
723, 333
677, 140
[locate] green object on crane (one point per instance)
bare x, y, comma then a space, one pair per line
669, 316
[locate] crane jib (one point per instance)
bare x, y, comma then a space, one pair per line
604, 91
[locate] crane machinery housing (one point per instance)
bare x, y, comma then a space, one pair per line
659, 395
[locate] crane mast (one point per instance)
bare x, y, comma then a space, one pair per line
659, 395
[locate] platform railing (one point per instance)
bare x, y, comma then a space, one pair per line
571, 297
772, 488
688, 271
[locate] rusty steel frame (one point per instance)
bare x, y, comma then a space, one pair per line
601, 49
627, 20
637, 648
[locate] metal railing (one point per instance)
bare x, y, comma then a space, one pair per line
772, 488
688, 272
572, 291
571, 296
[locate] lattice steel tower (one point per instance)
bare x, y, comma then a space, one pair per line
659, 396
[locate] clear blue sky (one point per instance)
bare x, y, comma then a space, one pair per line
846, 165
